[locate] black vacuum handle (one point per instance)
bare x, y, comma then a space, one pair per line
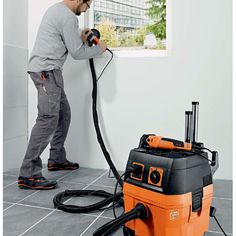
215, 162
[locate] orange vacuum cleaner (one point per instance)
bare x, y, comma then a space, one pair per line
168, 186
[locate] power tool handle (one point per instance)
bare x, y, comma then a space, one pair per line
167, 143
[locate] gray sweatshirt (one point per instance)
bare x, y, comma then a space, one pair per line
57, 36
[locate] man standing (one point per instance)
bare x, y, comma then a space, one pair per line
57, 36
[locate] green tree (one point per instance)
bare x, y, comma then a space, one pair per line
157, 12
141, 32
126, 38
108, 32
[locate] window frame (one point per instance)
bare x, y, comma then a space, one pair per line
89, 23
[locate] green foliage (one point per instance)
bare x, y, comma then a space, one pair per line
141, 32
160, 46
157, 12
108, 33
126, 38
159, 30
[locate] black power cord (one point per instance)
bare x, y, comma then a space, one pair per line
106, 64
203, 148
198, 153
114, 200
212, 214
134, 170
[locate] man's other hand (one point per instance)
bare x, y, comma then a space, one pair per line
85, 33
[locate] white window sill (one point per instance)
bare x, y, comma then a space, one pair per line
140, 53
136, 53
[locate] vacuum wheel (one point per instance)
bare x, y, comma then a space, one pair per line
128, 232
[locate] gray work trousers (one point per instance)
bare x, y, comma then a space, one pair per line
51, 125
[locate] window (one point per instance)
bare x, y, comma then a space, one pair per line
130, 24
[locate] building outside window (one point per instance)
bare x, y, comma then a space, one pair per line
135, 24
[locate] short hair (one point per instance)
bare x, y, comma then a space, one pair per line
84, 1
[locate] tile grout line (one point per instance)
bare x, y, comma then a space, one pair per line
9, 184
93, 222
97, 179
67, 175
51, 209
21, 200
32, 226
26, 205
97, 185
223, 198
210, 231
65, 202
10, 175
28, 196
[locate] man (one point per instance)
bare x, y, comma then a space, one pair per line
57, 36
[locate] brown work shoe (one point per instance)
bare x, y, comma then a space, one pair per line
37, 183
67, 165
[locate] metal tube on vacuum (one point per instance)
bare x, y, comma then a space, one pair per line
188, 119
194, 122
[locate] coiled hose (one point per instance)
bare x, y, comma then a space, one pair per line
63, 196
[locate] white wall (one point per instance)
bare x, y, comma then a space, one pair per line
149, 95
15, 92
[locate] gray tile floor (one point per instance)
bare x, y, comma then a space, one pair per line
30, 212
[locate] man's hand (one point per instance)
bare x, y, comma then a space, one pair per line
102, 45
85, 33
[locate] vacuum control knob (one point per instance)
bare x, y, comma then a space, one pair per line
155, 176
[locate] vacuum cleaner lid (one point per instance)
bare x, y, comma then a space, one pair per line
179, 172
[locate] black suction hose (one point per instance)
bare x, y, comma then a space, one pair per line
63, 196
96, 124
139, 211
60, 198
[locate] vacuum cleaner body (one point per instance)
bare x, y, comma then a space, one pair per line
175, 187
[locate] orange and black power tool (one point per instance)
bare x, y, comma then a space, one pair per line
158, 142
168, 186
93, 37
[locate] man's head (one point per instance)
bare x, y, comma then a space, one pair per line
78, 6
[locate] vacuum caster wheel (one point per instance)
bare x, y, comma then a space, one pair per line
128, 232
